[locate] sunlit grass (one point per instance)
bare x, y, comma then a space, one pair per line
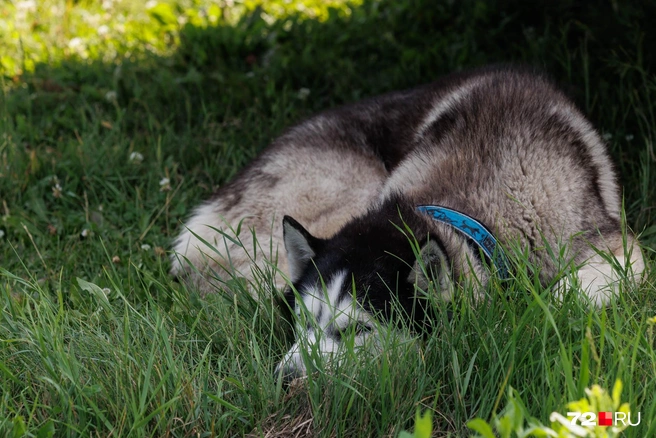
50, 31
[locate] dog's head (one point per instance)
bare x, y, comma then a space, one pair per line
345, 287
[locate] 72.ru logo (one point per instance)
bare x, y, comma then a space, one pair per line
605, 418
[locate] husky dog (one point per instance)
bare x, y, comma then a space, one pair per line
417, 189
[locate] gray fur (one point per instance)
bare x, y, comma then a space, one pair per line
501, 145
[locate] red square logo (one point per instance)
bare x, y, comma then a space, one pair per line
605, 419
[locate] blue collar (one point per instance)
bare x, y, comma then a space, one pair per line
473, 229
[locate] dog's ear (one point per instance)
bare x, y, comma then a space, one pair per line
432, 266
300, 245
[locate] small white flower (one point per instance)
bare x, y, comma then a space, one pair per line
165, 184
629, 137
303, 93
106, 291
85, 232
27, 5
606, 136
75, 43
136, 157
145, 247
102, 30
57, 190
151, 4
110, 96
2, 234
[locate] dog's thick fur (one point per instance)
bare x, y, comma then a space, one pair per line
501, 145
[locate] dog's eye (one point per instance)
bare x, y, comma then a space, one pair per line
359, 329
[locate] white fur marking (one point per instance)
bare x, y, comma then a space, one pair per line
607, 184
188, 245
600, 278
332, 311
445, 103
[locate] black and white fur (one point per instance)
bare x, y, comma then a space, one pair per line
501, 145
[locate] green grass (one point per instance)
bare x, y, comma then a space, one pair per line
95, 337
